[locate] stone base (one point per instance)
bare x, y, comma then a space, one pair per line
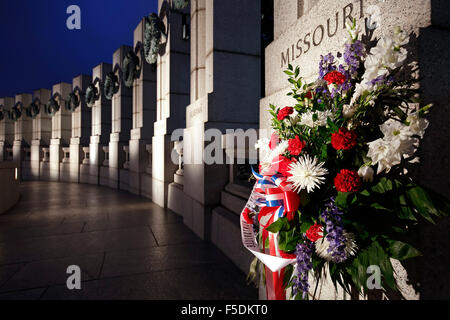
2, 151
124, 180
26, 171
96, 157
197, 217
44, 171
55, 158
104, 176
116, 160
226, 235
75, 160
36, 156
159, 192
64, 172
175, 198
138, 163
85, 176
146, 185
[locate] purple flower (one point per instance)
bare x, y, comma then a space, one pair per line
335, 231
352, 54
304, 265
326, 65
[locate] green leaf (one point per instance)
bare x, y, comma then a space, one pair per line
334, 128
423, 204
400, 250
383, 186
278, 225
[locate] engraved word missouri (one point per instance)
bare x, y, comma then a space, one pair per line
315, 37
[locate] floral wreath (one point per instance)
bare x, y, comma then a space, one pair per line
334, 191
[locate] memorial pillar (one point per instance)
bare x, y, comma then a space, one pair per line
61, 127
81, 124
121, 119
101, 123
42, 130
144, 115
23, 132
225, 90
173, 86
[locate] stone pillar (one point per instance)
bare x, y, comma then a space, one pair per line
61, 129
81, 126
101, 124
225, 89
144, 115
6, 128
173, 88
23, 133
121, 120
42, 131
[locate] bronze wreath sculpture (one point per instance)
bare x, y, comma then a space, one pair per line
130, 68
180, 4
73, 100
52, 106
34, 108
154, 27
92, 93
15, 112
2, 112
111, 85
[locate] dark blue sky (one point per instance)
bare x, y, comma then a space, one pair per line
37, 50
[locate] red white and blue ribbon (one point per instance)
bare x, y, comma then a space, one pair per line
275, 198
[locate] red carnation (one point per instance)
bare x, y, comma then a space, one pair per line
309, 95
314, 232
246, 216
296, 146
347, 181
274, 139
343, 139
281, 164
335, 77
283, 113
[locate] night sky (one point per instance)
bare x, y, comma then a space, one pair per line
37, 50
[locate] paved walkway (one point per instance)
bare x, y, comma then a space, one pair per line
126, 246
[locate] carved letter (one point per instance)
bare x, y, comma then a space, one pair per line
349, 15
285, 60
321, 35
328, 26
299, 48
307, 42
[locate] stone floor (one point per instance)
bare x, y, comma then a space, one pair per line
126, 246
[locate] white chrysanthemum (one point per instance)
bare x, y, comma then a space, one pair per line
266, 161
307, 118
323, 244
306, 173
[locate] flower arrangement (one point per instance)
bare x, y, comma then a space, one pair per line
334, 190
